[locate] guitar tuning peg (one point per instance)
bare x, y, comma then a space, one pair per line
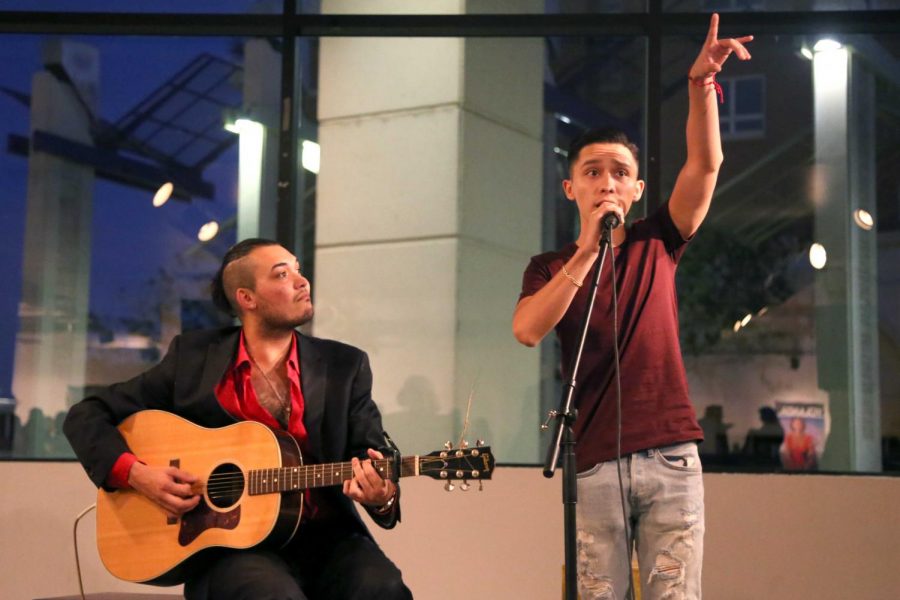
464, 486
449, 486
464, 444
448, 445
479, 443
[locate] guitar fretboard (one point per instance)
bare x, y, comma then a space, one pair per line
286, 479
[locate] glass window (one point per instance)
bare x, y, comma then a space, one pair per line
420, 252
742, 114
428, 172
121, 195
783, 296
593, 82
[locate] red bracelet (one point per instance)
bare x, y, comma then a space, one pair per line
702, 82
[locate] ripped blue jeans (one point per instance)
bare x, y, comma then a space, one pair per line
664, 506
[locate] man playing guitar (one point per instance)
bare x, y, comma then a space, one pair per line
317, 391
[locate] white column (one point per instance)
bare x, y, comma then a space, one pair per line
52, 339
258, 146
846, 293
429, 205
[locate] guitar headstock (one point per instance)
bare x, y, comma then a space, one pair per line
466, 464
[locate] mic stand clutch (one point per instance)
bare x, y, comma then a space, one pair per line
564, 438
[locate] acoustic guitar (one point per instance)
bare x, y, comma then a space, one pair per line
251, 479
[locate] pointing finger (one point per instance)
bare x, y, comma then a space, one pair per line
713, 33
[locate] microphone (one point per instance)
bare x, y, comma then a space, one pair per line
610, 221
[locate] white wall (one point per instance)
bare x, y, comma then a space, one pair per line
768, 536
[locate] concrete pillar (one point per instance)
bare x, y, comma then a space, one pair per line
258, 147
846, 292
428, 207
52, 340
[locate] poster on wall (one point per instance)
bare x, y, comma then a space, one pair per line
804, 435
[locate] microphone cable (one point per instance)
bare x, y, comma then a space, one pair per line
615, 323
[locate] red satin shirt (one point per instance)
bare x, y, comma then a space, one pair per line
237, 396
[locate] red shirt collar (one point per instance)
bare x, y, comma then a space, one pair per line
243, 356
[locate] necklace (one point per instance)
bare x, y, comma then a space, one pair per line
279, 403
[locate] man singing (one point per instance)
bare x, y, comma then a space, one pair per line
660, 465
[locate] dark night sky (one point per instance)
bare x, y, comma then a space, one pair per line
131, 240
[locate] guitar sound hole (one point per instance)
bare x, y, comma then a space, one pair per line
225, 485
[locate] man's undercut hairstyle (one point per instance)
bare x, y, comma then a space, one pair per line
600, 135
221, 297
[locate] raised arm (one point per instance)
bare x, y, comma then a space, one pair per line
696, 182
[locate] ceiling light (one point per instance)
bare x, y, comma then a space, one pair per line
817, 256
863, 219
310, 156
208, 231
163, 194
827, 45
240, 126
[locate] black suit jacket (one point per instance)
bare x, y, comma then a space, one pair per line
340, 416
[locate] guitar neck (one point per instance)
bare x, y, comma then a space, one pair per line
287, 479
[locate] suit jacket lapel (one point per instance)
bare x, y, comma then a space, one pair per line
313, 377
219, 356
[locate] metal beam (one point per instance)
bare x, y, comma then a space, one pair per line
497, 25
139, 24
286, 210
112, 166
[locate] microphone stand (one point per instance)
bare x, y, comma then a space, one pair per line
564, 438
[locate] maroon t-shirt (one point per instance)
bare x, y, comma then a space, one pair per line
656, 409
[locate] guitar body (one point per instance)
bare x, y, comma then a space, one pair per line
251, 480
138, 542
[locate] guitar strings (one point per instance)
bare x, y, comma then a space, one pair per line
278, 479
323, 471
319, 472
221, 485
229, 483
